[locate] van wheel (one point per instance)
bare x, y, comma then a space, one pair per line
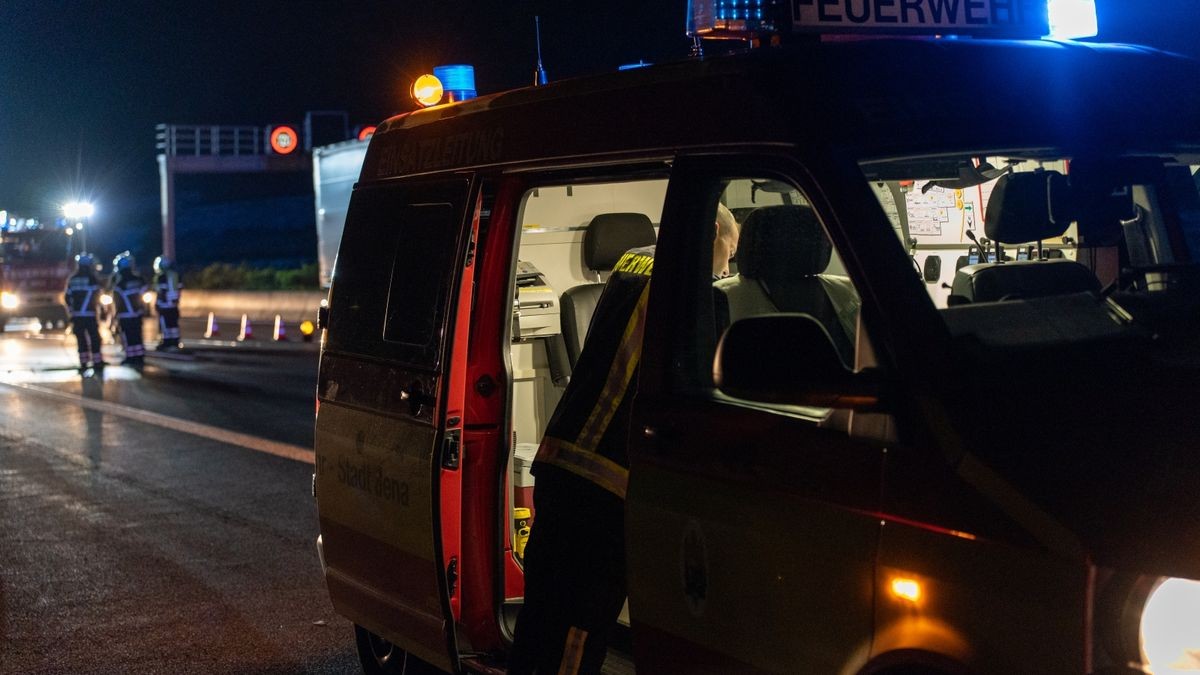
380, 657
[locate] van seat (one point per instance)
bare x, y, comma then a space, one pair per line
1024, 279
783, 252
1027, 206
607, 238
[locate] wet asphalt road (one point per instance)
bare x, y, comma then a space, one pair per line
145, 544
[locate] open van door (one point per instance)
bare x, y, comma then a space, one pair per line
387, 428
747, 522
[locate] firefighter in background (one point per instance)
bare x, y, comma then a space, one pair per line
167, 288
83, 304
575, 558
127, 287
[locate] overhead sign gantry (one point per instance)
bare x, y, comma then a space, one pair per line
234, 149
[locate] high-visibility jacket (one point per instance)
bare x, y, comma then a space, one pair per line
166, 289
82, 294
127, 290
588, 432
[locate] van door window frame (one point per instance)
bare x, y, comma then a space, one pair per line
683, 257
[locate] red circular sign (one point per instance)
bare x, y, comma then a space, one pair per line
283, 140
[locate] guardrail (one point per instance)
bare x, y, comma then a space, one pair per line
293, 306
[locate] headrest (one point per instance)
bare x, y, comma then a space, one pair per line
782, 242
1028, 206
610, 235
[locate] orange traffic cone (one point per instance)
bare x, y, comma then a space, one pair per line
247, 331
280, 332
212, 330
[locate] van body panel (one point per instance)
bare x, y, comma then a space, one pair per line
377, 525
1028, 595
760, 537
867, 93
732, 541
384, 401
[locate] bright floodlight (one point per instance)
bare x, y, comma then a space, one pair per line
1071, 19
77, 210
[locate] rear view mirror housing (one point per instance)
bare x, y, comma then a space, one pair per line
790, 359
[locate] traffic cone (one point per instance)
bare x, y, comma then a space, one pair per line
280, 332
247, 331
212, 330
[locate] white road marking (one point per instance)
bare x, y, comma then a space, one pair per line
285, 450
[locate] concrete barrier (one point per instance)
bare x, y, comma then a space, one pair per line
260, 306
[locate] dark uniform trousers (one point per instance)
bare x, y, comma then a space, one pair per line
87, 338
131, 337
575, 558
127, 298
168, 325
574, 577
166, 305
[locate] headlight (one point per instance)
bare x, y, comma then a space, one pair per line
9, 300
1170, 627
105, 299
148, 298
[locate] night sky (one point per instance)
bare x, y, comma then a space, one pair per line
82, 84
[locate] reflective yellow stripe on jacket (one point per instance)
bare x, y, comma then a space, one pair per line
580, 455
585, 464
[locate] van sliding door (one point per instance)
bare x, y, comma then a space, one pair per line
380, 426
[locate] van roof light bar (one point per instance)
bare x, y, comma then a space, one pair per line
755, 20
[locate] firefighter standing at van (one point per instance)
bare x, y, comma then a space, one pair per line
575, 558
127, 287
83, 304
167, 289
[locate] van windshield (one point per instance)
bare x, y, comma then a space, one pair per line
1037, 245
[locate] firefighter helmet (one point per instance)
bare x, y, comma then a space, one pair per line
162, 263
85, 262
123, 262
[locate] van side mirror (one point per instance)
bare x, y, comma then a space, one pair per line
789, 359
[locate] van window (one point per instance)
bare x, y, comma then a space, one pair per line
415, 296
783, 262
1067, 229
395, 270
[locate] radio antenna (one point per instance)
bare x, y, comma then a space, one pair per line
539, 75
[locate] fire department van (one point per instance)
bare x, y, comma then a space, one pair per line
942, 419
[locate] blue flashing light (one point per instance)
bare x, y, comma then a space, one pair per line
631, 66
458, 80
1071, 19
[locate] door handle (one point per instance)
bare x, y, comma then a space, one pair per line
417, 399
